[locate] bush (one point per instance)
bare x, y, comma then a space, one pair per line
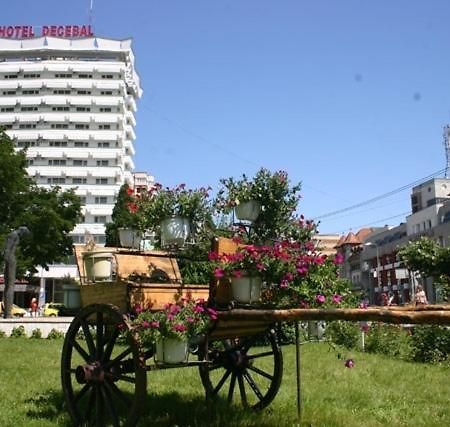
18, 332
343, 333
54, 334
430, 344
36, 333
2, 334
390, 340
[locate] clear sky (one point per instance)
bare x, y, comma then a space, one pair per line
348, 96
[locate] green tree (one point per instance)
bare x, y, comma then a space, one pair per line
430, 260
49, 214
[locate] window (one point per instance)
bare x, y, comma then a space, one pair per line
7, 109
57, 162
11, 76
56, 180
81, 144
80, 162
31, 76
83, 92
103, 144
85, 76
57, 143
104, 127
101, 200
30, 162
101, 181
9, 92
105, 109
83, 198
29, 109
83, 109
107, 76
79, 181
81, 126
27, 126
106, 92
60, 108
30, 92
100, 219
102, 162
59, 126
61, 92
63, 76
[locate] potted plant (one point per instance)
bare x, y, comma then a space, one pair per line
171, 329
273, 197
175, 214
127, 227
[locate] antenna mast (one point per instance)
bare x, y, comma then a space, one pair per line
447, 148
90, 12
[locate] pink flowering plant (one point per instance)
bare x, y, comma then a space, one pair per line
294, 274
182, 320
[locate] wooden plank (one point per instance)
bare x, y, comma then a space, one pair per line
436, 317
155, 295
105, 293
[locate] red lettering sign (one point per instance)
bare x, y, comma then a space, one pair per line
27, 31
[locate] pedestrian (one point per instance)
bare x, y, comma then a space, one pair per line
421, 297
33, 307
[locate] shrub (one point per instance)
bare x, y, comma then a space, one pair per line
430, 344
343, 333
18, 331
390, 340
36, 333
2, 334
54, 334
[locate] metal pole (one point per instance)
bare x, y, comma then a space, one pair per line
378, 268
297, 358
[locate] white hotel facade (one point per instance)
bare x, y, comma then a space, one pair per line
71, 103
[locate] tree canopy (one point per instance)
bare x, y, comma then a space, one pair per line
50, 214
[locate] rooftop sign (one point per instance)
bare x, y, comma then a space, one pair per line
30, 31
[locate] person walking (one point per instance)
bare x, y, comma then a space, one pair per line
421, 297
33, 307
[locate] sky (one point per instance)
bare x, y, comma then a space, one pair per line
350, 97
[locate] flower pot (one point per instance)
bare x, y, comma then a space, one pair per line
248, 211
316, 329
245, 289
171, 350
98, 266
130, 238
174, 232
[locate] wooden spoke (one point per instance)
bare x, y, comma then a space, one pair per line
104, 381
258, 369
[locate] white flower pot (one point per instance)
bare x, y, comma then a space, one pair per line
246, 289
98, 266
316, 329
174, 232
171, 350
248, 211
130, 238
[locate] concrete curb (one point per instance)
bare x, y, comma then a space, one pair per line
44, 324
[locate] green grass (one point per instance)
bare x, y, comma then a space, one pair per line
378, 391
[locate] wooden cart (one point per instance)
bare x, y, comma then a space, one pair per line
104, 374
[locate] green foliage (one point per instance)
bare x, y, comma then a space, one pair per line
343, 333
54, 334
49, 214
390, 340
18, 332
2, 334
430, 344
278, 201
124, 215
429, 259
36, 333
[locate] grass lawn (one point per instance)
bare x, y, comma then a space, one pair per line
378, 391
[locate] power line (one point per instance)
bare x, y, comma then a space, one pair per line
382, 196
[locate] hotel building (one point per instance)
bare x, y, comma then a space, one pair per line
71, 103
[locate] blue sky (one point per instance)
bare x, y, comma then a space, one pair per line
349, 97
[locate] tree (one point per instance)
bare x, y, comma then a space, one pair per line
430, 260
48, 214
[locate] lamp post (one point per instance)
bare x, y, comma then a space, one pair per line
378, 262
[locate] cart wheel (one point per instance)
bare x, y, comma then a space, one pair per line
103, 374
238, 364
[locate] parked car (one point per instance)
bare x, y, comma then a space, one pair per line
53, 309
16, 310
